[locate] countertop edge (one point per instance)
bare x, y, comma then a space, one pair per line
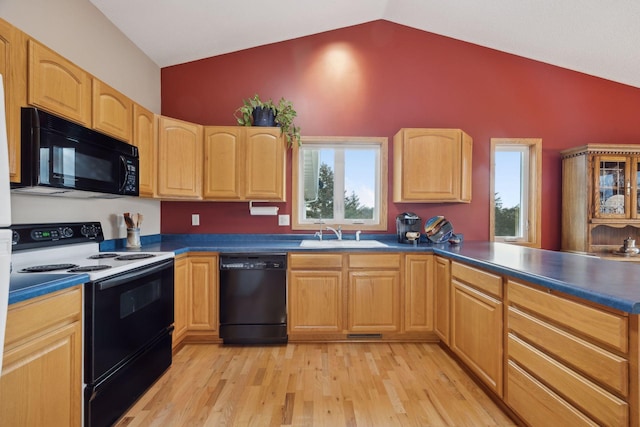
495, 257
45, 284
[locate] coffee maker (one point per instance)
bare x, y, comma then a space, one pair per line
407, 222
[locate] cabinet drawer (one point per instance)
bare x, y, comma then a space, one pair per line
537, 404
480, 279
374, 261
314, 261
597, 402
35, 317
599, 364
607, 328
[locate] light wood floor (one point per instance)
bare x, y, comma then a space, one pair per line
334, 384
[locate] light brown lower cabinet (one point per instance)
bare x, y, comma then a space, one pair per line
374, 291
418, 293
41, 382
315, 294
196, 298
337, 296
180, 284
476, 322
568, 361
442, 297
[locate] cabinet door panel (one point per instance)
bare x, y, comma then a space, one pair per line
613, 187
601, 405
374, 301
144, 137
203, 293
418, 312
442, 290
600, 364
607, 328
181, 280
264, 151
179, 159
223, 173
315, 301
13, 67
432, 165
41, 380
112, 111
537, 404
57, 85
476, 333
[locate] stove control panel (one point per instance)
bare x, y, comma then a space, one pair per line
30, 236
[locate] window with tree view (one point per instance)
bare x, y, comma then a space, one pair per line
340, 181
515, 189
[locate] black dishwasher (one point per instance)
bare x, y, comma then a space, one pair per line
253, 298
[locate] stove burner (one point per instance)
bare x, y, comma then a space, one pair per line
103, 255
47, 267
133, 256
86, 268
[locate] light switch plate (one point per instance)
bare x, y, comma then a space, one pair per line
195, 219
283, 220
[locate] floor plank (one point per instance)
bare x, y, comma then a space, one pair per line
310, 384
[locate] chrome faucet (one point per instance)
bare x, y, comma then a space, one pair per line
318, 234
338, 231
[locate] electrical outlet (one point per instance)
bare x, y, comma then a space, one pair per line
195, 219
283, 219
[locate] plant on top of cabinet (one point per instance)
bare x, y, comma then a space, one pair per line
256, 112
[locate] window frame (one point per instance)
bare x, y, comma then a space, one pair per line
532, 235
381, 142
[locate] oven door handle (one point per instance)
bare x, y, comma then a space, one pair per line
128, 277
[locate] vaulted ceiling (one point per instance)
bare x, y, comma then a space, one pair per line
596, 37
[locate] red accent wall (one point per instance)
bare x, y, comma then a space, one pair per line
375, 78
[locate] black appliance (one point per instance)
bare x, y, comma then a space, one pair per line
128, 325
253, 298
63, 158
407, 222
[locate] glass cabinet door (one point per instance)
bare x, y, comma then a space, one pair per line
635, 196
613, 187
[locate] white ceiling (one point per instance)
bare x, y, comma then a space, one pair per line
597, 37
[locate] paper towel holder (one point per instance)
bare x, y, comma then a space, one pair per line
262, 210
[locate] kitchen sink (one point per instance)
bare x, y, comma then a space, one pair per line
338, 244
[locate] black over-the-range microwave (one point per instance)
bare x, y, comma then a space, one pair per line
63, 158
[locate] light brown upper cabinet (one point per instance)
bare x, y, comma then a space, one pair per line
144, 137
432, 165
112, 111
13, 67
57, 85
179, 159
244, 163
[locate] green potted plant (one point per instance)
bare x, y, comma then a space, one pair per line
256, 112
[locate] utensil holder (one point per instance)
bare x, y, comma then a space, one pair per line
133, 237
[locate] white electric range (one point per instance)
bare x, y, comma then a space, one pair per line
72, 248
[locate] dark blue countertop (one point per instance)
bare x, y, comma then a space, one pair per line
26, 286
611, 283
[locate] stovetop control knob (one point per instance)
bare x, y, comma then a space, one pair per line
90, 230
66, 232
